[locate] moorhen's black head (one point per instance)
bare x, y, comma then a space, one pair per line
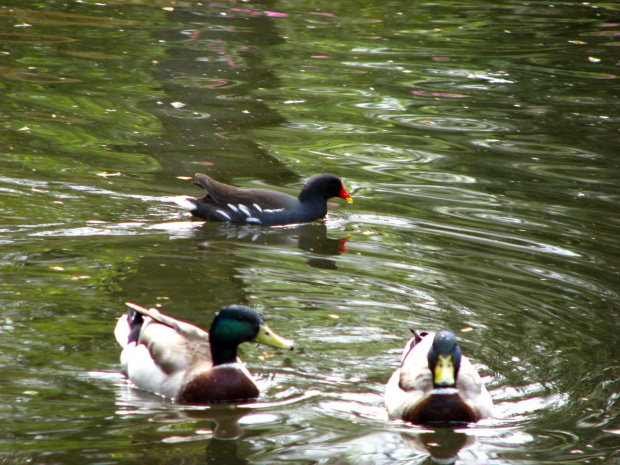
324, 186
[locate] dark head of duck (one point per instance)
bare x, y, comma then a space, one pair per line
235, 325
444, 359
232, 326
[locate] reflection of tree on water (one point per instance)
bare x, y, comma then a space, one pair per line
213, 66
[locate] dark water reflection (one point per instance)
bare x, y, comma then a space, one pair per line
478, 140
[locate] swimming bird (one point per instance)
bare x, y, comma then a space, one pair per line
179, 360
435, 384
223, 202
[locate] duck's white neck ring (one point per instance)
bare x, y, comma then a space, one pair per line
445, 391
226, 365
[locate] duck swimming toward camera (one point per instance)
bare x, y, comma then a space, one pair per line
435, 384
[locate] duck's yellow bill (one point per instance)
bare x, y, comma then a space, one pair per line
269, 338
444, 371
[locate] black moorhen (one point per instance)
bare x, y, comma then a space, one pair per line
262, 206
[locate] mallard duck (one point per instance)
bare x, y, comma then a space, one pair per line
223, 202
436, 384
181, 361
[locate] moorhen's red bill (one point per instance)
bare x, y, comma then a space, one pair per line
262, 206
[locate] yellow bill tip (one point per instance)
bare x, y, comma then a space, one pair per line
269, 338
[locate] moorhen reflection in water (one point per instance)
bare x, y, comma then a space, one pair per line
308, 237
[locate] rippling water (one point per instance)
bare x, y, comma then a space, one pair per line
479, 140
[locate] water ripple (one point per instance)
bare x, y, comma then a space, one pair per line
35, 39
492, 216
57, 18
444, 123
534, 148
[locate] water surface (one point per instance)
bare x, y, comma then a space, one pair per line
479, 141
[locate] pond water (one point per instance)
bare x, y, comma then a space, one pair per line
478, 139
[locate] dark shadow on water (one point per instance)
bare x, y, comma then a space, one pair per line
204, 269
224, 247
213, 67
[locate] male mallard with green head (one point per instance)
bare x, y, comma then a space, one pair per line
181, 361
435, 384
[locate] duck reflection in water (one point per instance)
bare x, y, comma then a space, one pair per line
222, 451
443, 444
225, 417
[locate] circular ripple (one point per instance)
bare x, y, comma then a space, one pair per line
533, 148
445, 123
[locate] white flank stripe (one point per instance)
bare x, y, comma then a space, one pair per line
233, 208
244, 209
274, 210
184, 202
224, 214
258, 208
253, 220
